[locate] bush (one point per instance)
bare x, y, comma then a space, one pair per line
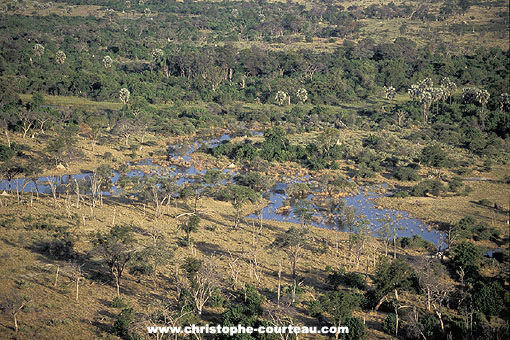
455, 184
389, 324
406, 174
415, 242
485, 202
217, 299
108, 156
6, 153
401, 194
117, 302
349, 279
433, 187
357, 329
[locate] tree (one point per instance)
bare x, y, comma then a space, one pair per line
390, 277
195, 191
156, 190
27, 118
422, 92
75, 269
449, 87
389, 92
303, 209
116, 248
388, 232
433, 278
125, 128
292, 242
472, 95
280, 97
13, 304
190, 226
504, 102
202, 278
38, 50
238, 196
107, 62
361, 235
158, 57
60, 57
124, 95
9, 100
435, 156
9, 170
302, 95
155, 256
465, 260
96, 124
339, 305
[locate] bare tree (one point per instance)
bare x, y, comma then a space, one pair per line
27, 118
13, 304
76, 273
433, 277
116, 248
203, 277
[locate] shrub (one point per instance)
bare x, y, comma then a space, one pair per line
401, 194
117, 302
349, 279
389, 324
416, 242
455, 184
433, 187
406, 174
108, 156
6, 153
485, 202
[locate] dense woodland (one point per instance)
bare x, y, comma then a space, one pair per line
332, 97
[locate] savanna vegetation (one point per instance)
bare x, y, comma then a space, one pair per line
115, 214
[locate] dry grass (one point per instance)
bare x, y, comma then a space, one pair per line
53, 311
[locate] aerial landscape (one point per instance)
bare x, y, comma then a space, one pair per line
309, 169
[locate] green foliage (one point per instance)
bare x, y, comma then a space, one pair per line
392, 275
346, 278
6, 153
389, 323
465, 259
455, 184
433, 187
192, 266
401, 194
406, 174
123, 325
357, 329
433, 155
416, 242
488, 298
251, 299
117, 302
339, 305
190, 226
431, 327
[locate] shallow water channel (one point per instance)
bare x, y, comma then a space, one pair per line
361, 201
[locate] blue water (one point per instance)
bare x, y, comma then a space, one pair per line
362, 201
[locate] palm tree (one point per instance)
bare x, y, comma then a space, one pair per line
60, 57
38, 50
302, 95
280, 97
107, 61
124, 97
